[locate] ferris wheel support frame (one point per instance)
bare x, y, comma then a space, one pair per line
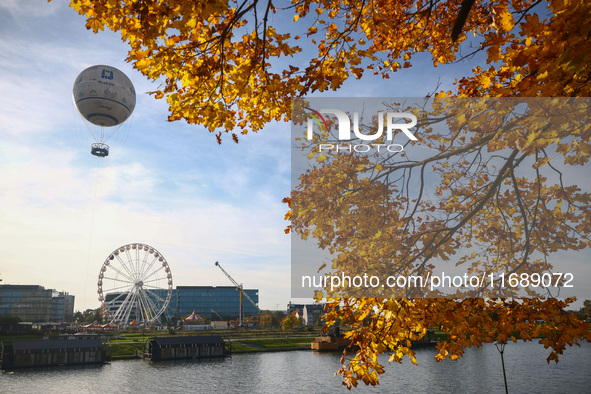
140, 275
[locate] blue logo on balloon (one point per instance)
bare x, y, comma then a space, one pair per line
107, 74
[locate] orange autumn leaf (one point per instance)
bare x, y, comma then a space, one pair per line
211, 56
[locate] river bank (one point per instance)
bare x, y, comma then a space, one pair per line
123, 345
126, 351
478, 371
130, 344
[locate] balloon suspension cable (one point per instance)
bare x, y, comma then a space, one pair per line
94, 194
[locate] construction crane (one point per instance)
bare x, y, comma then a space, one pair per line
242, 292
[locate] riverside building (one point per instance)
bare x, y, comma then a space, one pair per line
34, 303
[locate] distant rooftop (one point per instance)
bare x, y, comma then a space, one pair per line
172, 341
22, 287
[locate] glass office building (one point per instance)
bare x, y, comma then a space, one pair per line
131, 305
214, 302
33, 303
211, 302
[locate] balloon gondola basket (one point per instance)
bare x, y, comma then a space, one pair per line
100, 150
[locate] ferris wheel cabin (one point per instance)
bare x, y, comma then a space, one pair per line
100, 150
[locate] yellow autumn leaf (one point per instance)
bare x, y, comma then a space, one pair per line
506, 21
542, 76
94, 24
485, 81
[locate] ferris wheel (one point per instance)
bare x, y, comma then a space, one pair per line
134, 285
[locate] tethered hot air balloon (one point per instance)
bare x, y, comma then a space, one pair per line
105, 97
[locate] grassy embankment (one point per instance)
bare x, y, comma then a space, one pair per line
127, 344
243, 341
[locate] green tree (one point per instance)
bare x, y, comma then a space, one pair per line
6, 322
290, 322
587, 309
93, 315
277, 318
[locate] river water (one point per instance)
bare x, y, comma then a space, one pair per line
479, 371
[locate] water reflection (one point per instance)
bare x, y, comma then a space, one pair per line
479, 371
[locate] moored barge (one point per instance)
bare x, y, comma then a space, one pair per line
49, 353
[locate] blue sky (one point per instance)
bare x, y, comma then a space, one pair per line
169, 185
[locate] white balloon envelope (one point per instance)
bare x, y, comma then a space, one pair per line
105, 97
